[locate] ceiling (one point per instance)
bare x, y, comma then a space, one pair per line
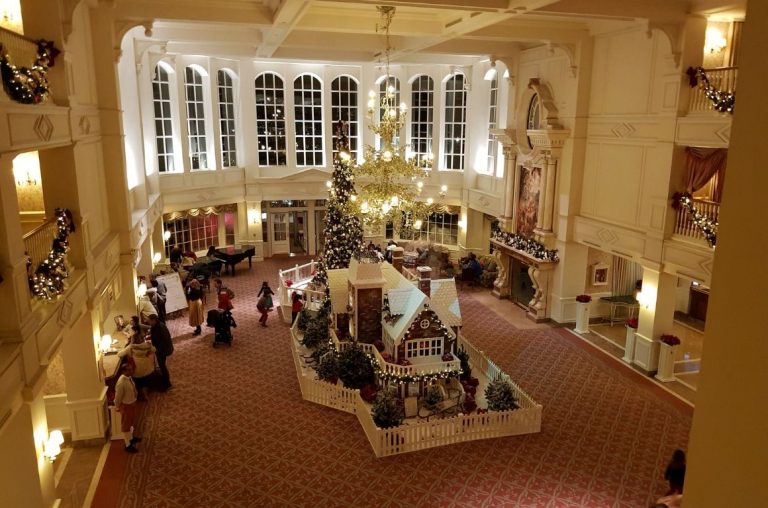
422, 31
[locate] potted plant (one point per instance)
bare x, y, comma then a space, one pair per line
582, 313
629, 346
667, 351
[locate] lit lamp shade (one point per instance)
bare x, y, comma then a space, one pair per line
56, 437
156, 257
167, 235
141, 290
105, 343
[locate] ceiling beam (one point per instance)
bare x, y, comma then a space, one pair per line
287, 15
194, 10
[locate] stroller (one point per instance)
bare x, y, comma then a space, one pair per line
222, 323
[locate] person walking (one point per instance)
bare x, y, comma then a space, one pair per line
263, 307
195, 303
125, 403
675, 473
161, 339
267, 292
224, 294
296, 306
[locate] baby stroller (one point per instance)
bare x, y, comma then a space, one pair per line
222, 323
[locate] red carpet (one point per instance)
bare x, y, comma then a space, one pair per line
234, 430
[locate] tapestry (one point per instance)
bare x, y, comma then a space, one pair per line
528, 200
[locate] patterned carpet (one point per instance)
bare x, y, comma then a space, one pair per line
234, 430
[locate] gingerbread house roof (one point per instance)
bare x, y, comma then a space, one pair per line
444, 300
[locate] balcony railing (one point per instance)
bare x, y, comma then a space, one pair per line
720, 78
38, 242
684, 225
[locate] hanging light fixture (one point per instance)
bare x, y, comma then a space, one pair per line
391, 176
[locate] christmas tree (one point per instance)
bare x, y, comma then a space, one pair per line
343, 231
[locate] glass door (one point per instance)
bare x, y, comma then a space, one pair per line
298, 232
280, 244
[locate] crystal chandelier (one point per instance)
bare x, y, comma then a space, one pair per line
391, 180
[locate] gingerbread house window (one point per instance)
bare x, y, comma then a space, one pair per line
423, 347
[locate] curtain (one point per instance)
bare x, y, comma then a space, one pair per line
625, 274
194, 212
701, 164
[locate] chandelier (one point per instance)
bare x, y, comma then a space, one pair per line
391, 179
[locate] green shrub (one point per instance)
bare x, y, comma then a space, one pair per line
500, 395
355, 369
316, 333
463, 356
303, 319
433, 396
387, 411
328, 367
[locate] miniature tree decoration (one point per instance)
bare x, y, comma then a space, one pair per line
500, 395
387, 411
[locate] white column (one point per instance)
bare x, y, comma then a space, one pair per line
542, 198
549, 194
512, 182
657, 312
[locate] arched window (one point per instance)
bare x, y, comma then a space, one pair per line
270, 119
391, 85
227, 119
455, 122
198, 156
161, 100
493, 111
308, 109
422, 110
534, 116
344, 107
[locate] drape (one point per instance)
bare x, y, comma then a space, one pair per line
194, 212
701, 164
625, 274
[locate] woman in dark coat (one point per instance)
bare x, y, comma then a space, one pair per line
195, 303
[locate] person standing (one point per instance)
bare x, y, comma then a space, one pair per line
125, 403
145, 308
161, 339
675, 473
162, 291
176, 255
296, 306
195, 303
141, 352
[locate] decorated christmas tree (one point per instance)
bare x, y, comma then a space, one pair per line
343, 231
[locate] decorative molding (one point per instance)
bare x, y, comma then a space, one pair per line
673, 31
43, 128
570, 52
607, 236
623, 130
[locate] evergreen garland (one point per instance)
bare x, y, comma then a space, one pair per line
28, 85
343, 231
527, 245
47, 282
703, 223
722, 100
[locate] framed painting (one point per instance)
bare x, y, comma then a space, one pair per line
600, 274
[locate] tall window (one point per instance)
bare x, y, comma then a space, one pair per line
389, 84
198, 157
344, 107
439, 228
533, 121
193, 233
227, 119
308, 108
455, 122
493, 110
270, 119
422, 108
161, 100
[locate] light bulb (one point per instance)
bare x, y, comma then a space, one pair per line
420, 185
353, 198
393, 113
167, 235
430, 201
385, 208
105, 343
431, 156
394, 201
387, 155
364, 207
156, 257
371, 94
443, 188
328, 184
391, 89
417, 224
403, 106
371, 103
344, 156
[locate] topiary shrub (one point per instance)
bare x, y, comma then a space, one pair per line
328, 368
463, 356
355, 369
387, 411
433, 397
316, 333
500, 395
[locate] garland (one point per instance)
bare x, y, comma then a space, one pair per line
527, 245
722, 100
408, 378
47, 282
28, 85
706, 225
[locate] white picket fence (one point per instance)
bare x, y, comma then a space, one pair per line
414, 436
300, 276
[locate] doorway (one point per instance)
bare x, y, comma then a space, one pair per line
297, 230
280, 244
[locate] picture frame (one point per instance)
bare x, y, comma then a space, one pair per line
600, 274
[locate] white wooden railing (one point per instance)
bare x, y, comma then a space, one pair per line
721, 78
38, 242
299, 276
684, 225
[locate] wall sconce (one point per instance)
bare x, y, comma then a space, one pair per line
166, 235
714, 41
462, 224
645, 299
156, 257
263, 215
105, 344
52, 445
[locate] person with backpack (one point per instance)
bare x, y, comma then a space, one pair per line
161, 339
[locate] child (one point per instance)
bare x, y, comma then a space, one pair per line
296, 306
263, 307
267, 292
675, 473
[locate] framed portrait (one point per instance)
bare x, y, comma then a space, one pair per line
600, 274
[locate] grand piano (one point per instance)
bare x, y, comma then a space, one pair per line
232, 255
